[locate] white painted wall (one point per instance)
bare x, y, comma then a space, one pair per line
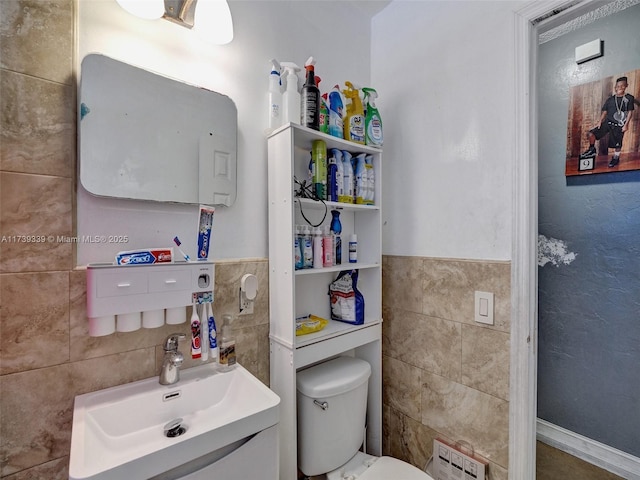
445, 75
337, 34
447, 111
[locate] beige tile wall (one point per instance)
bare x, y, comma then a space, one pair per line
46, 355
443, 373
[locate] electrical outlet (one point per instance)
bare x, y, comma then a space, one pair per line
450, 462
246, 305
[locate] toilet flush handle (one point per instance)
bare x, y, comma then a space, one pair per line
322, 405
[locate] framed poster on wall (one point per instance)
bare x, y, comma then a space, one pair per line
603, 131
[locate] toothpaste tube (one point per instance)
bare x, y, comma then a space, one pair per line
145, 257
204, 231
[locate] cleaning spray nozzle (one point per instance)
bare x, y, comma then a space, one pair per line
371, 93
310, 62
275, 66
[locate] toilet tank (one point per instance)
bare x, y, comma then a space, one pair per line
332, 410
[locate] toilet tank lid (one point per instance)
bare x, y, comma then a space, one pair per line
334, 377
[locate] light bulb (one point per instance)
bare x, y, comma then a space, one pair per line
147, 9
213, 21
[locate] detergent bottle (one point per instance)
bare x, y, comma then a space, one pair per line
275, 97
372, 121
336, 113
324, 114
310, 98
354, 120
291, 96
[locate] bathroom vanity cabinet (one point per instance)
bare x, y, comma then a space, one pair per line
295, 293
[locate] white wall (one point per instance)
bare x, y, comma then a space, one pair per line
445, 74
337, 34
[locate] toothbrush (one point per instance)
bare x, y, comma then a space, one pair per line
195, 333
177, 241
204, 333
213, 342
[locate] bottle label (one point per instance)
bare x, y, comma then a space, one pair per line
310, 117
353, 252
356, 128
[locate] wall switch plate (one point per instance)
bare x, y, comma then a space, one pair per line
484, 307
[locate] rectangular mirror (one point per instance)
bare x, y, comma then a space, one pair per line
143, 136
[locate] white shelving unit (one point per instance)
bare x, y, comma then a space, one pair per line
294, 293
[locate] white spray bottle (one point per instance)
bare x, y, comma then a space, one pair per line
275, 97
291, 96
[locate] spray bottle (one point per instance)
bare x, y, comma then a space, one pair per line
372, 121
275, 97
291, 96
310, 98
324, 113
354, 120
336, 112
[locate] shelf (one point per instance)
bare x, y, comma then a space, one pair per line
308, 135
332, 330
308, 202
337, 268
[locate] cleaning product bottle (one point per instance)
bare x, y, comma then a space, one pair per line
332, 177
324, 113
372, 121
371, 191
327, 247
319, 156
227, 345
297, 253
275, 97
291, 96
310, 98
354, 120
348, 177
353, 248
307, 248
337, 153
318, 254
336, 229
336, 113
361, 179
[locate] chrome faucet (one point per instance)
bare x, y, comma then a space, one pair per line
172, 360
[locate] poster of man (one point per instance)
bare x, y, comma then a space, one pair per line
603, 131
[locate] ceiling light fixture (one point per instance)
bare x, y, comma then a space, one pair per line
210, 19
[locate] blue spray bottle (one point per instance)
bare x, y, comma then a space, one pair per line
336, 229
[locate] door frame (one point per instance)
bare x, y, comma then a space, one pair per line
529, 21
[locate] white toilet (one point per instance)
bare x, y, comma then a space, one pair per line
332, 407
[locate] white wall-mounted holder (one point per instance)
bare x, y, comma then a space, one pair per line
589, 51
119, 296
248, 293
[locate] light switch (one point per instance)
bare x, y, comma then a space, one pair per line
484, 307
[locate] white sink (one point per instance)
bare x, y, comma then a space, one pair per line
118, 433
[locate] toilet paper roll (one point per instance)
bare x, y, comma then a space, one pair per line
176, 315
128, 322
153, 319
101, 326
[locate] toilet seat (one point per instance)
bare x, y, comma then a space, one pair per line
368, 467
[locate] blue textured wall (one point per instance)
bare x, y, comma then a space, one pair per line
589, 293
